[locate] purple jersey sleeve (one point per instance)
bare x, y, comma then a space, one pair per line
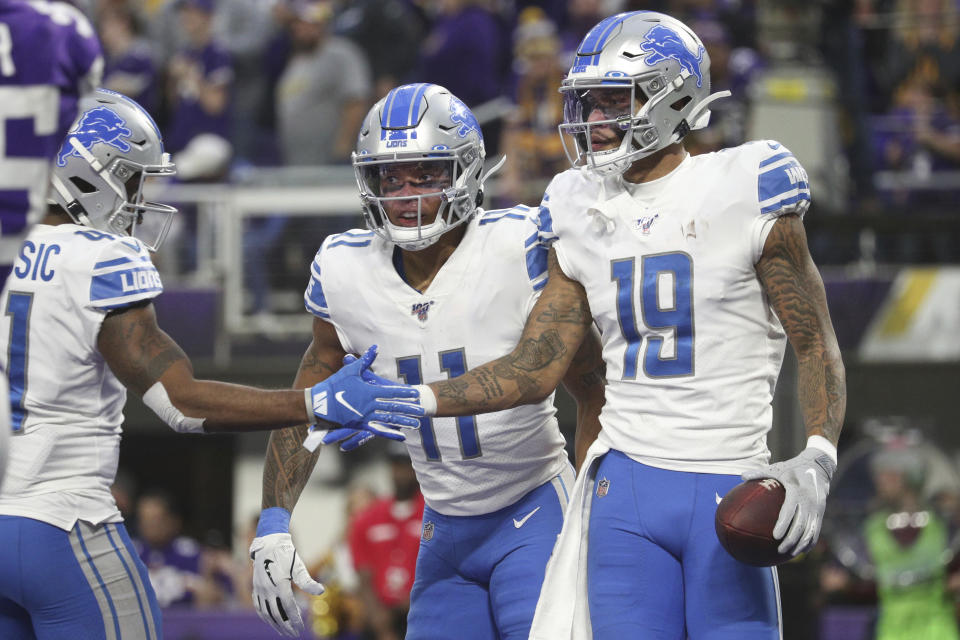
49, 58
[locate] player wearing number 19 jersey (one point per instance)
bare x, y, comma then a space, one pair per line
696, 271
440, 285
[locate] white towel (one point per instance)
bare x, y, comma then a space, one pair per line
563, 612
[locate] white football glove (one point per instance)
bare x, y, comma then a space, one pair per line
806, 479
276, 564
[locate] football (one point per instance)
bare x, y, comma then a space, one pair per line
745, 520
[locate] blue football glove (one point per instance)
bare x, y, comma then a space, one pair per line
347, 399
349, 439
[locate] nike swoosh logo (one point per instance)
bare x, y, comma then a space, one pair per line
519, 523
340, 399
266, 567
717, 495
816, 487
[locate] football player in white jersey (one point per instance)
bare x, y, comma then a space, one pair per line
78, 329
439, 284
696, 271
49, 57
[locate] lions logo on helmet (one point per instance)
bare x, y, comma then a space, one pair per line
663, 43
103, 165
643, 76
99, 125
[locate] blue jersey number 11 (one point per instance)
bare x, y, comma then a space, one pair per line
18, 308
655, 272
454, 363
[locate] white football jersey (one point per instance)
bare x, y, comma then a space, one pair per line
66, 404
472, 312
692, 347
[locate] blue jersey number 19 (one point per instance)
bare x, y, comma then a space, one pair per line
673, 270
454, 363
18, 308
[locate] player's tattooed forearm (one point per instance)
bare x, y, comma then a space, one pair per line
288, 467
454, 390
534, 354
791, 282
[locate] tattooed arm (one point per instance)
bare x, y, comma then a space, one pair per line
140, 354
792, 283
528, 374
585, 380
288, 464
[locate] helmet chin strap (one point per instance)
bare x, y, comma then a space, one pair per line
74, 209
700, 116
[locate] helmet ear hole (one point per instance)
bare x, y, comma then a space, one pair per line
479, 199
82, 185
681, 103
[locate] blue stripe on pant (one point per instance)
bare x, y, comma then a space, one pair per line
655, 567
479, 577
83, 584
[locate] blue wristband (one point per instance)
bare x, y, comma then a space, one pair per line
273, 520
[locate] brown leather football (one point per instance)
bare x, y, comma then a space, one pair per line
745, 520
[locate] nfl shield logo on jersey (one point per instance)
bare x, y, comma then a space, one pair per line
602, 487
427, 531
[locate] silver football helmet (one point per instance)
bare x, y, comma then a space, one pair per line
420, 125
99, 173
663, 71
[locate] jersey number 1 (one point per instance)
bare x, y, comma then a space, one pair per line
18, 308
454, 362
676, 316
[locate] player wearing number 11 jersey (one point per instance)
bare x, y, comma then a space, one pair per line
440, 285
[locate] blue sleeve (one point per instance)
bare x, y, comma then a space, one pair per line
122, 275
782, 183
313, 298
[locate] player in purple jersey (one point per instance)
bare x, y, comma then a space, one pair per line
49, 58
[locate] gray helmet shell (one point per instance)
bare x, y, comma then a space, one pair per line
99, 173
666, 68
417, 123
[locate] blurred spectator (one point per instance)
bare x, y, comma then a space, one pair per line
384, 541
907, 541
903, 546
244, 28
324, 91
124, 490
582, 15
128, 67
733, 69
924, 48
180, 572
531, 141
465, 52
390, 33
200, 76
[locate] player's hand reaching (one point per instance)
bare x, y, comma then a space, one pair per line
350, 439
806, 479
355, 398
276, 567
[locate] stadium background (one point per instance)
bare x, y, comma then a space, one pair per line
258, 100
